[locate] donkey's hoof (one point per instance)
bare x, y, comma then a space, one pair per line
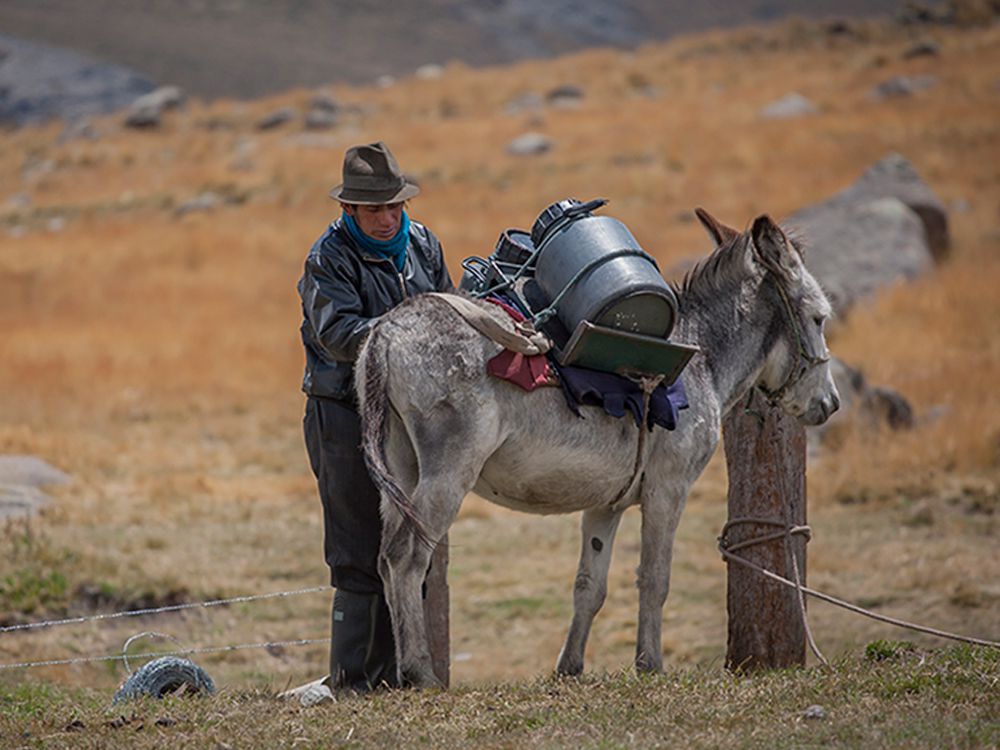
569, 668
646, 665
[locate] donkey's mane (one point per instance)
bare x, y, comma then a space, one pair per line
723, 266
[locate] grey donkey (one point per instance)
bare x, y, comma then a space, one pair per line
436, 426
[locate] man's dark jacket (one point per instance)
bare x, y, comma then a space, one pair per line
344, 290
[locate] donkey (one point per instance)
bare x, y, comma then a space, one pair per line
436, 426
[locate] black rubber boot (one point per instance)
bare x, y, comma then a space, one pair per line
362, 649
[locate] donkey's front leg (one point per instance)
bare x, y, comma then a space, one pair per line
598, 532
660, 513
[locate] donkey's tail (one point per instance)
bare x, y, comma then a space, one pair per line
374, 411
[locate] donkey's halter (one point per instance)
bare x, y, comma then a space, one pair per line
805, 361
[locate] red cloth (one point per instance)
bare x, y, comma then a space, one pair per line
528, 373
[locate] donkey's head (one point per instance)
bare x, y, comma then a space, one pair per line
796, 373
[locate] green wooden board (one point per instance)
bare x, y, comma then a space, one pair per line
624, 353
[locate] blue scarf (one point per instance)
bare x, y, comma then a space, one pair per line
394, 249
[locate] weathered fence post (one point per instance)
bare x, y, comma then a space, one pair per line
766, 462
436, 612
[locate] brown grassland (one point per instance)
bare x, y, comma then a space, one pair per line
155, 357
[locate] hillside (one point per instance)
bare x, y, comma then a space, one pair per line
245, 48
150, 349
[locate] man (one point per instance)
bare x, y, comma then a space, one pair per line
365, 263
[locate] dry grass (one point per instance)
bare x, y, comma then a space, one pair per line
156, 358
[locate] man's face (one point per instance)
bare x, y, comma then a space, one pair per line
378, 222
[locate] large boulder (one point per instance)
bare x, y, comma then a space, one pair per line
887, 226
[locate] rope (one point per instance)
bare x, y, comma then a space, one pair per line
184, 652
158, 610
787, 531
648, 383
542, 316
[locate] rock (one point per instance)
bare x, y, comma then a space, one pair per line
814, 712
277, 118
565, 96
529, 144
887, 227
901, 86
924, 48
206, 201
324, 103
146, 112
790, 105
857, 248
21, 480
163, 99
429, 72
30, 471
143, 119
870, 407
320, 119
78, 129
527, 102
384, 81
895, 176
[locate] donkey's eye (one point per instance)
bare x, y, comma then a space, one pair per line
818, 320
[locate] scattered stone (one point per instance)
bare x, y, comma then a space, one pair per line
143, 119
901, 86
924, 48
163, 99
814, 712
384, 81
19, 202
56, 224
21, 480
324, 103
565, 97
788, 106
529, 144
277, 118
320, 119
870, 407
146, 112
429, 72
526, 102
78, 129
206, 201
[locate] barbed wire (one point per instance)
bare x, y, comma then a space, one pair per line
183, 652
158, 610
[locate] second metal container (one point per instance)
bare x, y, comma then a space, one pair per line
611, 281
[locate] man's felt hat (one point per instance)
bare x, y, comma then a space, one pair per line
372, 177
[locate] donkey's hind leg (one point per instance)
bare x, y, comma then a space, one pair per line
403, 564
598, 529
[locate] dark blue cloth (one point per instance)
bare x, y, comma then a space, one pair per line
617, 394
394, 249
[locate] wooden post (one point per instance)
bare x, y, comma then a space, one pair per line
766, 462
436, 613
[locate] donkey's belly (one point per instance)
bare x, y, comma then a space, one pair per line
540, 481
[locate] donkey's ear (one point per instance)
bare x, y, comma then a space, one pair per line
718, 231
771, 247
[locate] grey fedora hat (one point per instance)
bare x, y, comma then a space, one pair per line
373, 177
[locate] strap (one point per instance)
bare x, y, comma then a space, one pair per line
524, 340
